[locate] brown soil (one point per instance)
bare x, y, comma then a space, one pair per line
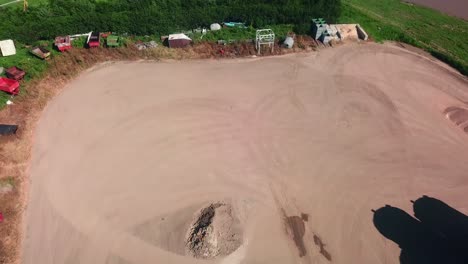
275, 137
459, 116
15, 150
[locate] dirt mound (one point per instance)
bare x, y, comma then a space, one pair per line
214, 232
459, 116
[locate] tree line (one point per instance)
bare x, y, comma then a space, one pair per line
160, 17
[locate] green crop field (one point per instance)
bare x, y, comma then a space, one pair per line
443, 36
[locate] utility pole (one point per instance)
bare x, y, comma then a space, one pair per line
25, 5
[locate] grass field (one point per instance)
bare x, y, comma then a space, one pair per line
26, 61
443, 36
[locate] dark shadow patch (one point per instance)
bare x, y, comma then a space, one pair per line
438, 235
318, 241
305, 217
296, 228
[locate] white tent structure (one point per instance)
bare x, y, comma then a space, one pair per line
264, 37
7, 47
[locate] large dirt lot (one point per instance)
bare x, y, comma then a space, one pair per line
266, 160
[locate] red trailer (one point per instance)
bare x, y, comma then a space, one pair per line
8, 85
63, 43
15, 73
94, 40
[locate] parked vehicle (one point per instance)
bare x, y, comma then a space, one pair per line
15, 73
94, 40
8, 85
63, 43
41, 52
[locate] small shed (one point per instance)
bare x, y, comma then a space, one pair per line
7, 47
179, 40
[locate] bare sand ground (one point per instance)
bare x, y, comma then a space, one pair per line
129, 153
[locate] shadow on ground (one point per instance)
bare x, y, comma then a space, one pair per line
437, 234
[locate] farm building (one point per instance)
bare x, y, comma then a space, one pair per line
178, 40
7, 47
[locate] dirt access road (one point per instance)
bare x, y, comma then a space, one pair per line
278, 159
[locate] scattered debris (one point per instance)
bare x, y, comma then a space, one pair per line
179, 40
146, 45
234, 24
319, 26
336, 32
8, 129
215, 27
113, 41
7, 47
9, 102
15, 73
264, 37
41, 52
214, 232
63, 43
289, 41
5, 188
9, 86
94, 39
73, 37
347, 32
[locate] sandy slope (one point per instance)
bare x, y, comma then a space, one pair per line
129, 152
